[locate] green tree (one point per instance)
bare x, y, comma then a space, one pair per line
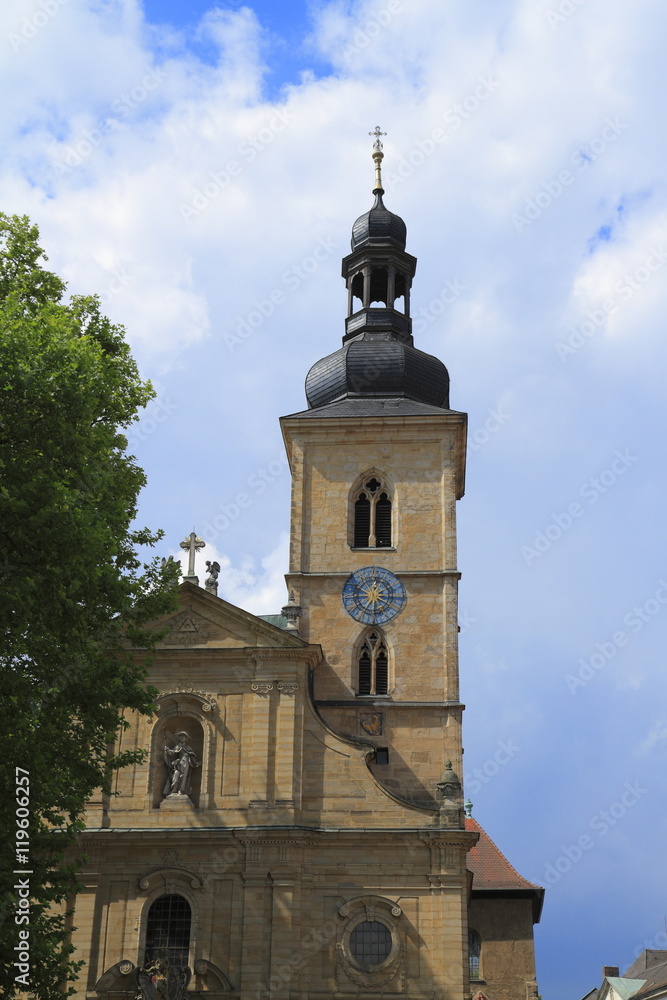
75, 593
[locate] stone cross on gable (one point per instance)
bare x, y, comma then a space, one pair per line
192, 544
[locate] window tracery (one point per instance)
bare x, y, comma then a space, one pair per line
373, 665
372, 514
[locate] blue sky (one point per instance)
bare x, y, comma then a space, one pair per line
285, 35
187, 167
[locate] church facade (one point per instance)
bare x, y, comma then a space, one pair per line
298, 830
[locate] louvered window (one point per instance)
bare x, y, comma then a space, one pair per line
362, 521
365, 672
383, 520
381, 671
372, 515
373, 666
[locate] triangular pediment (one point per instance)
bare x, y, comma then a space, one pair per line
204, 620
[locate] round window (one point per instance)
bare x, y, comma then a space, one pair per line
370, 943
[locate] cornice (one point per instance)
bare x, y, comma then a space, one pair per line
448, 418
312, 654
343, 574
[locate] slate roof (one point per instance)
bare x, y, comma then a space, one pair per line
381, 364
369, 407
591, 995
645, 978
379, 226
650, 968
490, 868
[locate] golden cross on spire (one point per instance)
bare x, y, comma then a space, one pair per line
378, 156
377, 133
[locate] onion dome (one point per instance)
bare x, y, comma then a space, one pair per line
379, 226
378, 367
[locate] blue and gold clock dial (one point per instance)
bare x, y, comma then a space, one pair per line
373, 595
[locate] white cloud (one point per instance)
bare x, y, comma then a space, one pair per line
656, 738
260, 590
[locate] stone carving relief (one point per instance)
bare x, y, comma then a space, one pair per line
114, 978
388, 976
372, 724
262, 687
206, 702
287, 687
388, 979
170, 877
187, 629
160, 981
216, 978
372, 906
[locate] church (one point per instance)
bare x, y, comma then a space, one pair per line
297, 829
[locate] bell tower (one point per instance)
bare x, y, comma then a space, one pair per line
297, 828
378, 463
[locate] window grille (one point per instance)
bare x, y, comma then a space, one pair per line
168, 931
474, 946
370, 943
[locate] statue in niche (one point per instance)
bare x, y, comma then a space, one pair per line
181, 761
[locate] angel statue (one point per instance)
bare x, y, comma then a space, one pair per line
181, 760
212, 578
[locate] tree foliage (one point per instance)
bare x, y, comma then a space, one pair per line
75, 593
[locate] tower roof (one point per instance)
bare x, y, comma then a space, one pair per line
378, 367
379, 227
378, 357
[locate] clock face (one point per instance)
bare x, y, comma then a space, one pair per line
373, 595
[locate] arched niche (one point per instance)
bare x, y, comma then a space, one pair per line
182, 712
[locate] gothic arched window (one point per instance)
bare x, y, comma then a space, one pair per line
474, 947
373, 665
372, 515
168, 931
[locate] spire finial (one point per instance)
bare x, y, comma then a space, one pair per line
378, 157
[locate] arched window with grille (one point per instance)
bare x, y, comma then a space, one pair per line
372, 514
474, 948
168, 932
373, 665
